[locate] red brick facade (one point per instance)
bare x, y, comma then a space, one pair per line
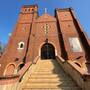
30, 32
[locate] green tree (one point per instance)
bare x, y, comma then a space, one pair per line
1, 47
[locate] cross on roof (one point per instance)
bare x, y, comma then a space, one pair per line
45, 10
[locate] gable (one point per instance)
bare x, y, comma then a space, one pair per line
45, 18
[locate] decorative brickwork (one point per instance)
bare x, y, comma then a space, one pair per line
33, 31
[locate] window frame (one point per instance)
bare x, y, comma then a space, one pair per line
19, 45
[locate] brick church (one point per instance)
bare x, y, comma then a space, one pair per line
35, 38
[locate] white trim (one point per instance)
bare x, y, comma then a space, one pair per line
7, 67
75, 44
19, 44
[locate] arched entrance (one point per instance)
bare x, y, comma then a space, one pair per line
47, 51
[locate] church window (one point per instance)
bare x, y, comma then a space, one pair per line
32, 9
78, 64
20, 66
9, 70
28, 9
21, 45
75, 44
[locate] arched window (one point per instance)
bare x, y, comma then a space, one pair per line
9, 70
78, 64
28, 9
25, 9
20, 67
32, 9
21, 45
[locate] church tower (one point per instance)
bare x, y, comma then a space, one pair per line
75, 43
15, 53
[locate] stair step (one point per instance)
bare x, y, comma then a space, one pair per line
49, 85
34, 81
62, 88
51, 88
48, 75
51, 78
42, 75
52, 71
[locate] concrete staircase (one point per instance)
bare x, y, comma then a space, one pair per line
48, 75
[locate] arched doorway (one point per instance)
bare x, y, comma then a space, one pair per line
47, 51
